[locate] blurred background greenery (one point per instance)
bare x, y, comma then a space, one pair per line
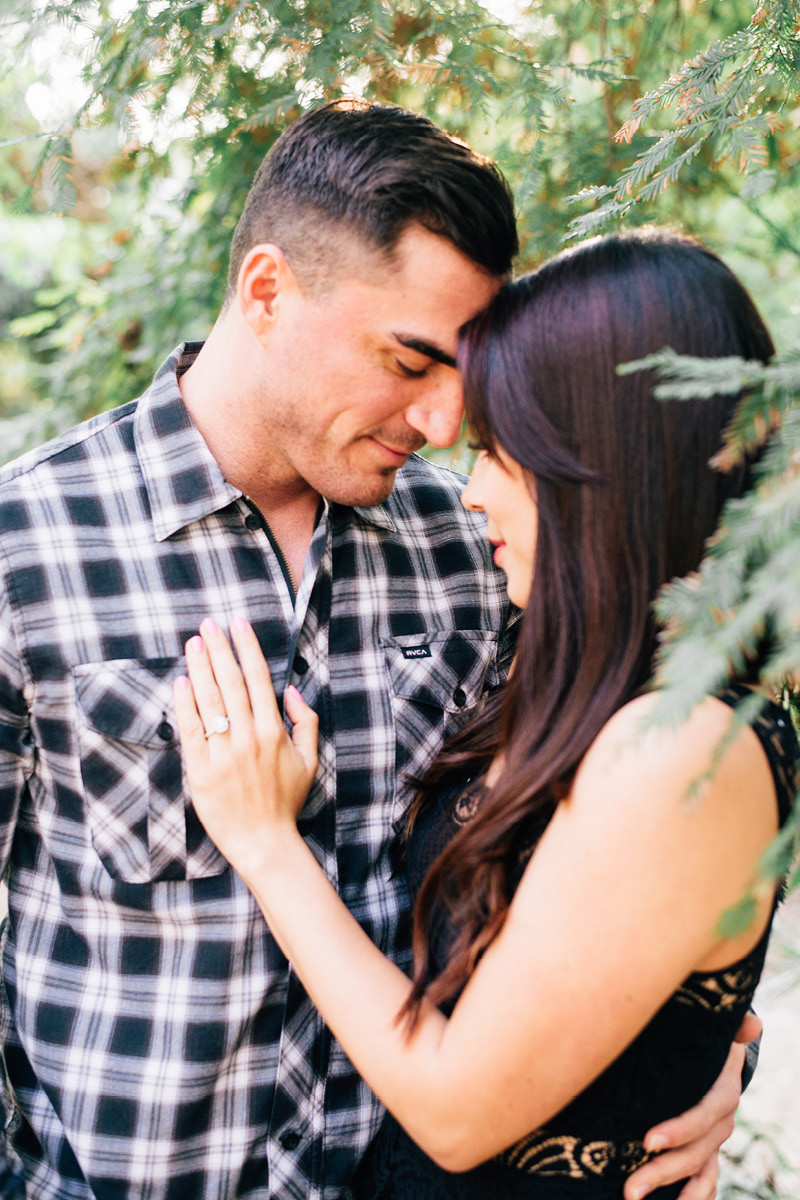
129, 133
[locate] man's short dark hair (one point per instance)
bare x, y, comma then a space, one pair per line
353, 170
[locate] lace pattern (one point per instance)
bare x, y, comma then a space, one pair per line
720, 991
541, 1153
467, 801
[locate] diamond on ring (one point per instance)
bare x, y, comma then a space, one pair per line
218, 725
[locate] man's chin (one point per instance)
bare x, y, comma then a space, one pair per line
363, 493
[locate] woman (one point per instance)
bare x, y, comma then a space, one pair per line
570, 863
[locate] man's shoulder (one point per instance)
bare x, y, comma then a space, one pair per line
424, 513
68, 447
423, 470
424, 488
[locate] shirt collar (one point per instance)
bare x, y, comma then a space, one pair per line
378, 515
183, 480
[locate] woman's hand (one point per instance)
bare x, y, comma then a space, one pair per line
248, 781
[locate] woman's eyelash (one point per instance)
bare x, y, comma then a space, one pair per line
476, 446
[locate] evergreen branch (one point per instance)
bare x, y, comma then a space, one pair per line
28, 137
23, 202
747, 588
700, 73
712, 104
688, 378
590, 223
226, 26
61, 163
770, 394
645, 164
595, 72
270, 112
662, 179
595, 192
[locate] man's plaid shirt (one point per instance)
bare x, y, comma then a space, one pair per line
157, 1043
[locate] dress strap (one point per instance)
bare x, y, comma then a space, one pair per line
775, 731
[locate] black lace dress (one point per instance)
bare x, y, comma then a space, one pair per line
587, 1151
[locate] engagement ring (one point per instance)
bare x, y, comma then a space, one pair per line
218, 725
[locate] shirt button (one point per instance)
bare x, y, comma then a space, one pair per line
300, 665
251, 521
165, 731
459, 698
290, 1139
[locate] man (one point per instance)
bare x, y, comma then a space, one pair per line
157, 1044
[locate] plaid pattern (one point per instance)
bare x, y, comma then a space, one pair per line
157, 1045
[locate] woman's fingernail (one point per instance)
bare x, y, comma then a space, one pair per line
196, 645
182, 683
638, 1193
656, 1143
210, 625
239, 625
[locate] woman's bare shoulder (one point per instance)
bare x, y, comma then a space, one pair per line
685, 809
637, 736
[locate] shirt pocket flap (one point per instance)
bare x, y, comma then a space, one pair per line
443, 670
128, 699
130, 766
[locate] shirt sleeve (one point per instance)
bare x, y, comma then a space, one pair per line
16, 742
750, 1060
12, 1179
16, 763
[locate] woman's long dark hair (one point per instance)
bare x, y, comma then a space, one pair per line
626, 500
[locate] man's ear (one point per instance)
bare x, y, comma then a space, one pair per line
265, 280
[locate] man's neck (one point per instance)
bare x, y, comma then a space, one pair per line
288, 505
292, 526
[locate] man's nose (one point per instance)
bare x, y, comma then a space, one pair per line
437, 413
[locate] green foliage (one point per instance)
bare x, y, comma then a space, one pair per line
181, 101
731, 100
740, 612
193, 95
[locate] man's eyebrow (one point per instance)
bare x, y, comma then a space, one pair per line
427, 348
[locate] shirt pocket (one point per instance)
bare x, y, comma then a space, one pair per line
437, 682
142, 826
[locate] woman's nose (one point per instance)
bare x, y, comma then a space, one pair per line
470, 498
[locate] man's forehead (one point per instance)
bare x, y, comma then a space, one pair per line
418, 258
418, 300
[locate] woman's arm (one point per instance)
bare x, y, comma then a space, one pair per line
619, 903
